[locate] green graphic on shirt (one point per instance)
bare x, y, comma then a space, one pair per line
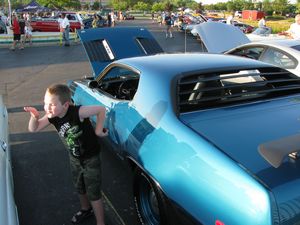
72, 140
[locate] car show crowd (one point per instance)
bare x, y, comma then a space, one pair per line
24, 23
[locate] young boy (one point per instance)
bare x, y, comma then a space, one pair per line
80, 138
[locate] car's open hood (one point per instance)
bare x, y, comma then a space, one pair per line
219, 37
104, 45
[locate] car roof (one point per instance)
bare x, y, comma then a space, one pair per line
174, 64
283, 44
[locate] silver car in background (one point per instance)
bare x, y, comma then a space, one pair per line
8, 209
226, 39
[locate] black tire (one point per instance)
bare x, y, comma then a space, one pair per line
149, 200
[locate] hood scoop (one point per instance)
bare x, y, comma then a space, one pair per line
105, 45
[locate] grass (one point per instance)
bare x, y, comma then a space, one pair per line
276, 25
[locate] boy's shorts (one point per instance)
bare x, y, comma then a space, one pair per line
87, 176
17, 37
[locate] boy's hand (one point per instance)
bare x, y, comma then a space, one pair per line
33, 112
103, 133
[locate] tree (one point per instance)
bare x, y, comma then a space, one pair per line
280, 6
120, 4
169, 6
142, 6
158, 7
298, 6
267, 7
96, 5
193, 5
61, 4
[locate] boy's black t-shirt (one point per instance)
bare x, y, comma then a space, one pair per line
78, 137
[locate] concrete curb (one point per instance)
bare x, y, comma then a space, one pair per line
39, 38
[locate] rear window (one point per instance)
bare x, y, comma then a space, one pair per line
210, 90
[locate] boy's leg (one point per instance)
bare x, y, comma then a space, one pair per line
98, 211
67, 41
84, 202
22, 41
92, 180
13, 47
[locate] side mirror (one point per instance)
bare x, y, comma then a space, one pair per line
93, 84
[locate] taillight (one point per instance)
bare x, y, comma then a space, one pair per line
218, 222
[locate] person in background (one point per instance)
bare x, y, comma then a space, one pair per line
262, 22
294, 30
95, 21
113, 19
159, 19
59, 23
16, 32
65, 25
22, 31
28, 32
109, 19
229, 19
168, 22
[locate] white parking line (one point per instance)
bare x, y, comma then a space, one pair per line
118, 219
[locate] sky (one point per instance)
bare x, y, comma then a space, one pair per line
216, 1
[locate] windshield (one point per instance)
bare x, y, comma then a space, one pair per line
262, 31
296, 47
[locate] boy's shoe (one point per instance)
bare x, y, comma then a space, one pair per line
21, 48
12, 48
82, 215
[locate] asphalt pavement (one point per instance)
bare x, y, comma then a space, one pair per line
43, 190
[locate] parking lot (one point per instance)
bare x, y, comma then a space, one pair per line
43, 190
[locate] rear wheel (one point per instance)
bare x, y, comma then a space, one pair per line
149, 200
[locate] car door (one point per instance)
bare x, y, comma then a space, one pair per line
115, 91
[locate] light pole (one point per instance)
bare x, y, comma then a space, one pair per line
9, 12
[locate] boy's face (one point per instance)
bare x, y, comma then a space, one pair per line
53, 107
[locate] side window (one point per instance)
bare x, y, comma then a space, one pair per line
252, 53
279, 58
120, 83
71, 17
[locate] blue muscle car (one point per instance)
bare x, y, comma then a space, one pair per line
211, 139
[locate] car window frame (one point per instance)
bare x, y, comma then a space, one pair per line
132, 74
269, 48
247, 48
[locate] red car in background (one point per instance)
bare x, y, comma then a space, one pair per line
51, 24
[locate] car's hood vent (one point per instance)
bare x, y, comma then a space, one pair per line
105, 45
203, 91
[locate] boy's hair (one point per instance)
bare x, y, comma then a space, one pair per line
62, 91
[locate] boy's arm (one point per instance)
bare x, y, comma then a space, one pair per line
99, 111
36, 123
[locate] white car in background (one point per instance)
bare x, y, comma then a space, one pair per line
8, 209
281, 53
222, 38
